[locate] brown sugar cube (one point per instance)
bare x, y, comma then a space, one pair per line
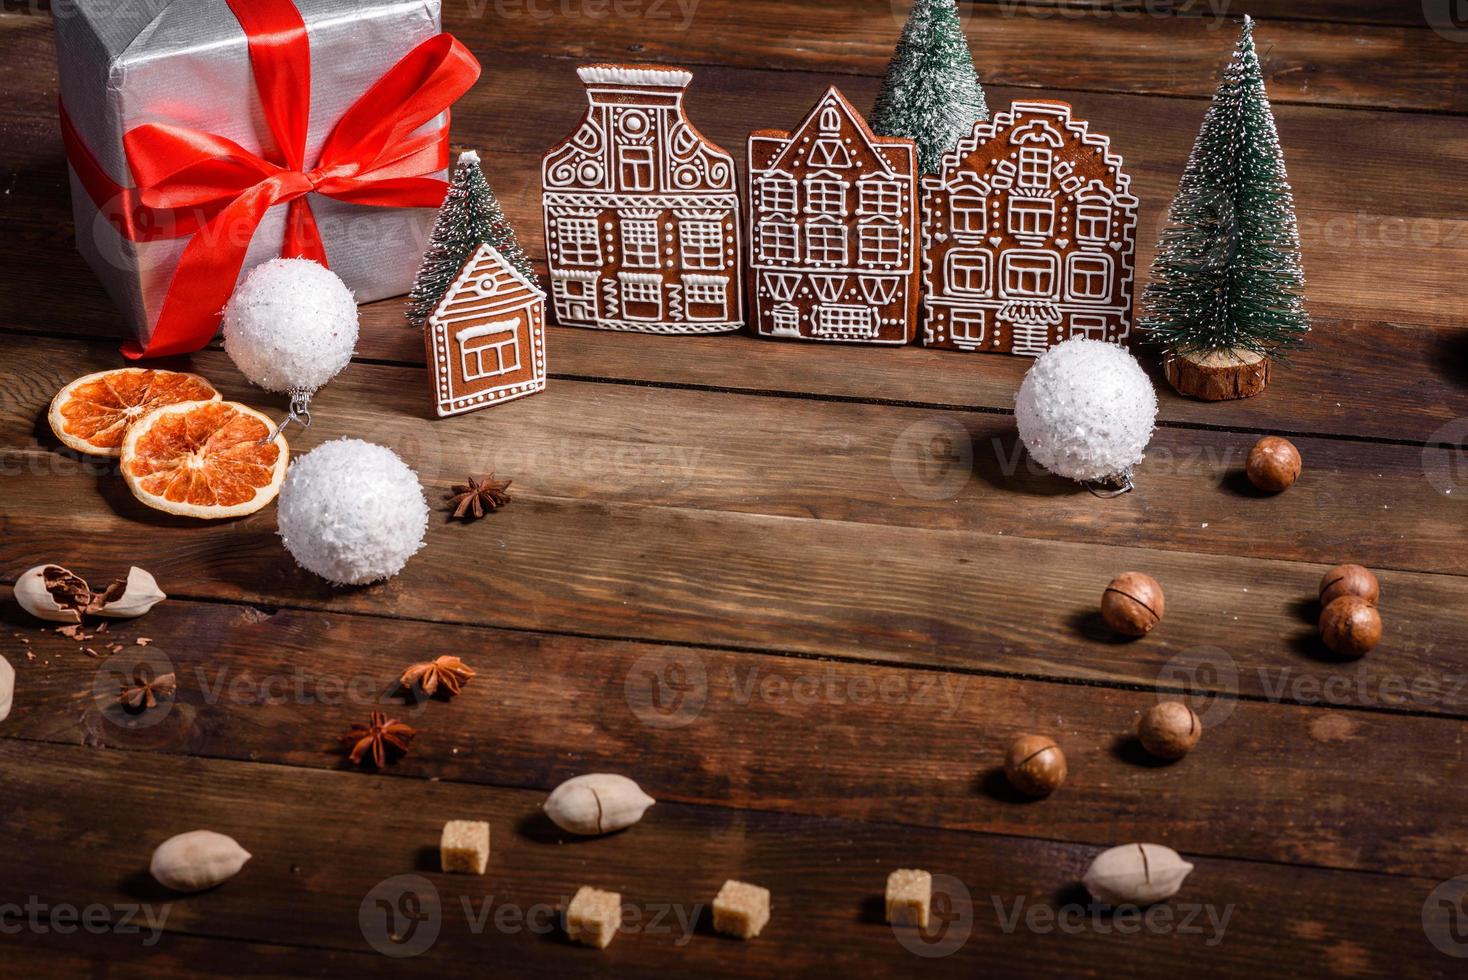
593, 916
464, 846
909, 894
741, 909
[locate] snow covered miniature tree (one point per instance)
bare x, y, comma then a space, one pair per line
469, 216
1227, 290
931, 93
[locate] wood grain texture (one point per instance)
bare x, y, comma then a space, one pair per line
1138, 47
973, 601
826, 877
1416, 386
774, 588
852, 462
773, 733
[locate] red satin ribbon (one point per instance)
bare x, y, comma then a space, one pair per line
194, 183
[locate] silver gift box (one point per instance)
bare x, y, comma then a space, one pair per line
123, 63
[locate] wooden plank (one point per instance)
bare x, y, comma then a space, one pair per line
983, 602
117, 952
855, 462
1333, 11
1043, 47
1083, 48
850, 740
826, 876
1414, 383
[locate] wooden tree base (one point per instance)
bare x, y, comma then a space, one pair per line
1217, 376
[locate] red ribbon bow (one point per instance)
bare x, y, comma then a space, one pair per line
370, 158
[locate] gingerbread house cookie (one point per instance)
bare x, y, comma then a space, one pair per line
1029, 236
642, 212
486, 338
833, 228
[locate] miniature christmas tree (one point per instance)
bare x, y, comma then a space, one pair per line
931, 93
1227, 290
469, 216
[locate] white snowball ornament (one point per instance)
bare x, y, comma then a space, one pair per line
1086, 410
291, 326
352, 512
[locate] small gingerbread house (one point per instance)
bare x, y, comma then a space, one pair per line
833, 229
486, 337
1029, 234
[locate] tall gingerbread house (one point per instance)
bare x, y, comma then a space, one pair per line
833, 230
1029, 236
642, 212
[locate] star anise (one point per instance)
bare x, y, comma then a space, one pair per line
146, 691
380, 735
449, 672
479, 497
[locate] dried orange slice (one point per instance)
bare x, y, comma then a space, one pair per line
204, 459
91, 415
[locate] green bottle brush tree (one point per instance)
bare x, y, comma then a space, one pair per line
1227, 289
469, 216
931, 93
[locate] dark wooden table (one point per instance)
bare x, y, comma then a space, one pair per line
726, 574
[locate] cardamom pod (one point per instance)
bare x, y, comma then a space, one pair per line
597, 803
1136, 874
57, 595
197, 860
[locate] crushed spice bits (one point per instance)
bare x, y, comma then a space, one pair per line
448, 673
478, 497
145, 692
382, 737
